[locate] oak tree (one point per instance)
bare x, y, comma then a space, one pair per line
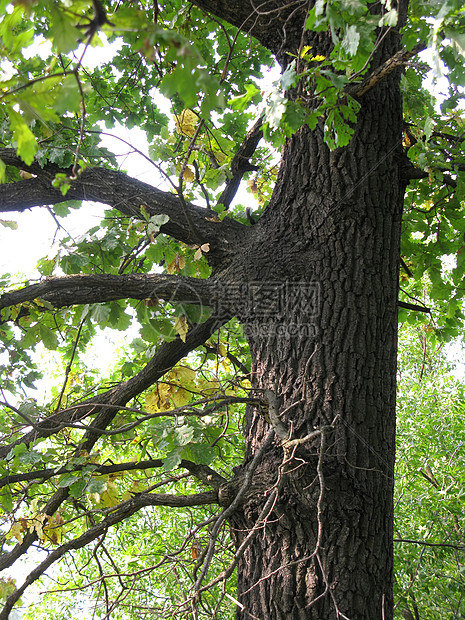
253, 410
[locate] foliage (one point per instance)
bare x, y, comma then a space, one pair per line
430, 483
192, 84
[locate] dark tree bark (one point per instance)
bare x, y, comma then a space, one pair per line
333, 228
315, 283
329, 244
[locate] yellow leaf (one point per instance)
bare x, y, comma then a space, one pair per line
181, 397
160, 398
226, 366
176, 264
188, 175
7, 587
53, 530
183, 373
181, 327
204, 248
208, 388
110, 495
36, 523
305, 50
16, 531
151, 403
186, 122
220, 157
252, 183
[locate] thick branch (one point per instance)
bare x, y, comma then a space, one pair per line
276, 24
89, 289
410, 173
122, 512
188, 223
240, 163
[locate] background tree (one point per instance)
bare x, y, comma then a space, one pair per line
310, 282
429, 528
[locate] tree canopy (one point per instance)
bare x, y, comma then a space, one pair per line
119, 485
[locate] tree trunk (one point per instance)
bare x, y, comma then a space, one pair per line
321, 273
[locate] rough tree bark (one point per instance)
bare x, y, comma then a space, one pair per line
327, 247
315, 283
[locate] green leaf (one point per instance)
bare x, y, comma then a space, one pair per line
48, 337
96, 485
30, 457
172, 461
156, 222
76, 489
100, 314
275, 109
351, 40
289, 77
6, 501
241, 102
389, 19
16, 451
9, 224
428, 128
184, 434
68, 96
63, 32
200, 453
67, 480
26, 142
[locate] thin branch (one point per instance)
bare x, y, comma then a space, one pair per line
429, 544
70, 364
218, 403
406, 268
207, 556
404, 304
106, 404
41, 78
204, 473
399, 59
167, 356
